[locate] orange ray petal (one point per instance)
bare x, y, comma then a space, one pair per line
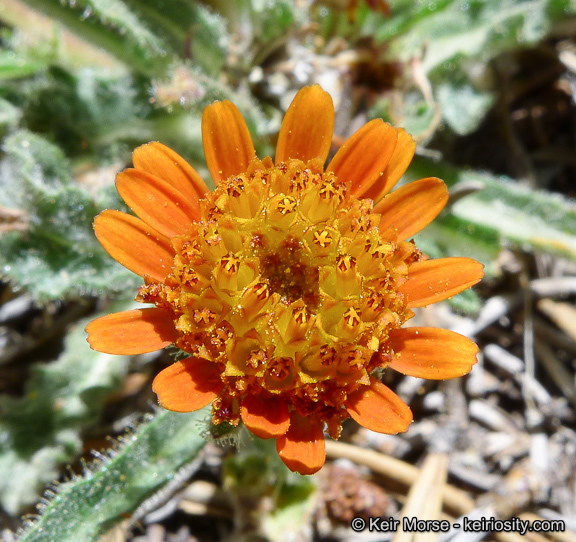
379, 409
188, 385
134, 244
266, 417
158, 203
403, 154
307, 128
303, 448
364, 157
432, 353
412, 207
132, 332
227, 142
163, 162
431, 281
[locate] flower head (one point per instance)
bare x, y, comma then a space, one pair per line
288, 284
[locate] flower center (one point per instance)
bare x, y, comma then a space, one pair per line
288, 285
290, 272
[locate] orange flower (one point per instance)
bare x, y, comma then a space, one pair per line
286, 285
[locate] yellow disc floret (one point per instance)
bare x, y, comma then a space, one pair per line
288, 285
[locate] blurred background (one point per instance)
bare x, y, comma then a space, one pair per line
486, 87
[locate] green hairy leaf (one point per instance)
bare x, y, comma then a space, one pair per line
41, 430
455, 41
114, 26
451, 28
58, 254
86, 507
503, 212
463, 107
13, 66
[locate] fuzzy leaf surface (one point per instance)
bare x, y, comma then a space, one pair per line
58, 255
114, 26
41, 430
503, 213
86, 507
